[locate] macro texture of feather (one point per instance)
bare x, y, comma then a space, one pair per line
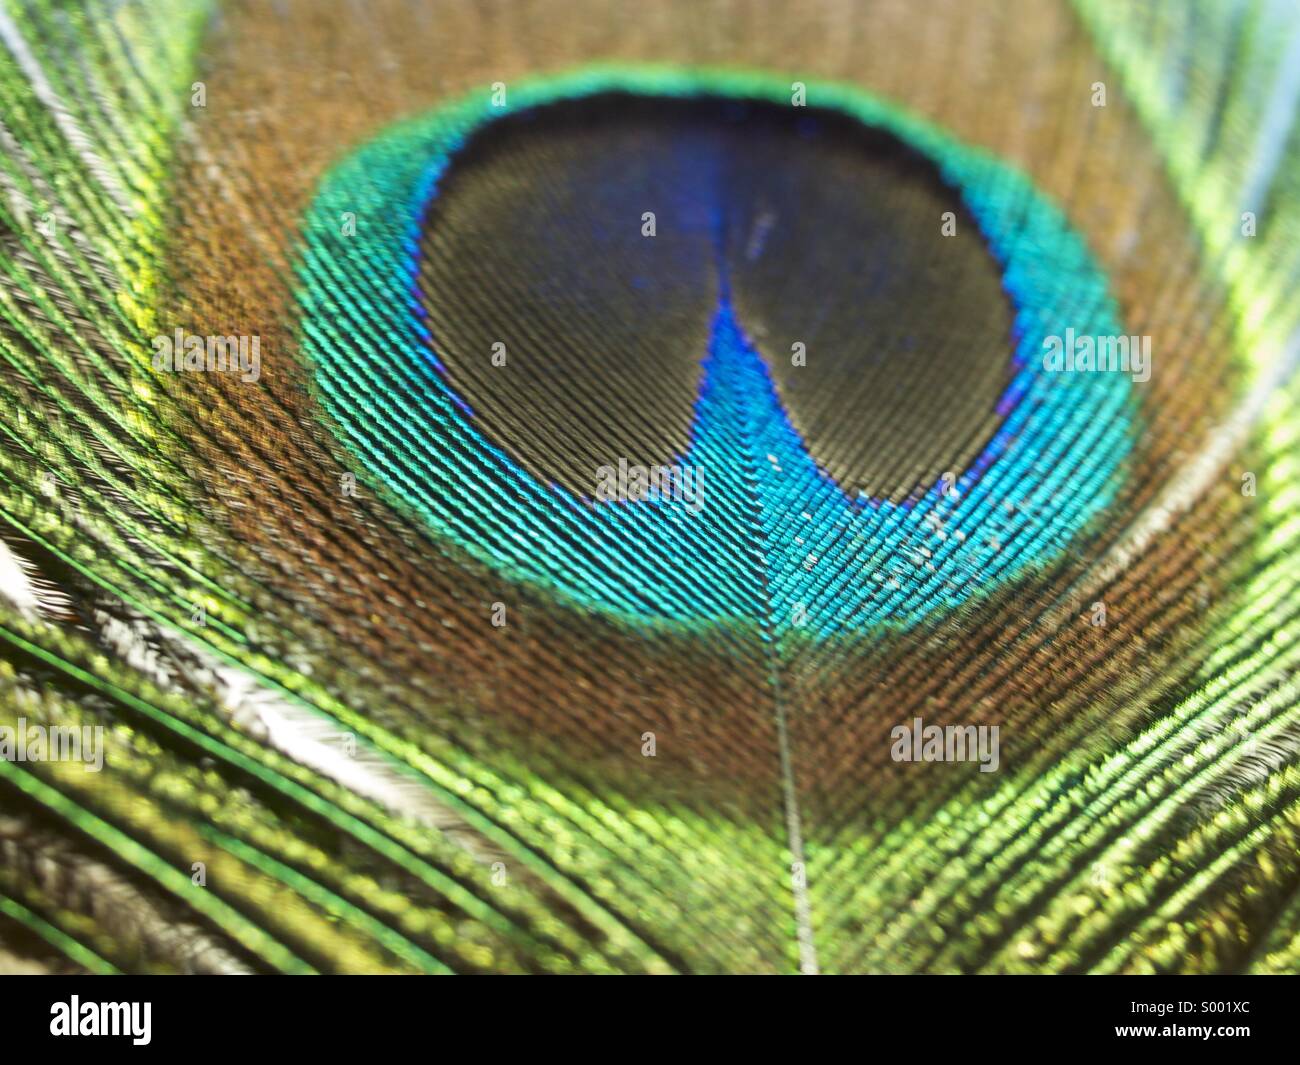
376, 683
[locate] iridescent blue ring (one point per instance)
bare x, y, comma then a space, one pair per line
776, 542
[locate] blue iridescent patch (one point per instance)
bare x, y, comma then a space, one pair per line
772, 539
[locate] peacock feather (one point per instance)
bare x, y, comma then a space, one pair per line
556, 487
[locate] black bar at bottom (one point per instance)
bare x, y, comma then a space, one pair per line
338, 1015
